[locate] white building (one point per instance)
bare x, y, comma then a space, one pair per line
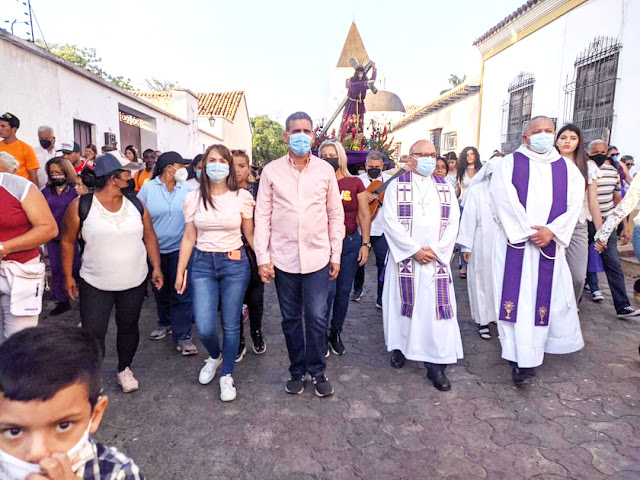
450, 121
43, 89
573, 60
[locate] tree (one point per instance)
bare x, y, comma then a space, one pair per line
88, 59
454, 81
267, 140
160, 85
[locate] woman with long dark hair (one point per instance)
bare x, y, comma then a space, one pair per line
468, 165
569, 144
216, 214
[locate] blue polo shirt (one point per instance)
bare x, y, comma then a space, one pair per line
166, 213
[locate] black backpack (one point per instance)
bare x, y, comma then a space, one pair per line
84, 205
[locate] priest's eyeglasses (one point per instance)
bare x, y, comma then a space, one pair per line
433, 155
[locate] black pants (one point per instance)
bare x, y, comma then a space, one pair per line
95, 309
254, 300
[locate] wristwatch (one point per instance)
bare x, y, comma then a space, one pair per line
367, 245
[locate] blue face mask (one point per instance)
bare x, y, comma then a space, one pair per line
300, 143
542, 142
426, 166
198, 174
614, 158
217, 172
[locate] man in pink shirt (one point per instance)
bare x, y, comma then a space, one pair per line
299, 228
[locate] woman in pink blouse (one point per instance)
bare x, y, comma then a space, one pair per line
219, 268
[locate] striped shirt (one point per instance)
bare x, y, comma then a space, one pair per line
608, 184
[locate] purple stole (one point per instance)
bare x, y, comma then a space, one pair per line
515, 253
406, 268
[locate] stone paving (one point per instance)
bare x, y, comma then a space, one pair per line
579, 420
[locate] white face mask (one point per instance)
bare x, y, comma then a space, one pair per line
181, 175
12, 468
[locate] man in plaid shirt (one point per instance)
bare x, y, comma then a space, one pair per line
51, 405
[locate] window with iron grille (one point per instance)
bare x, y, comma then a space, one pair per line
435, 138
450, 141
589, 97
517, 111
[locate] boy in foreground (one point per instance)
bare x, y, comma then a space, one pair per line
50, 404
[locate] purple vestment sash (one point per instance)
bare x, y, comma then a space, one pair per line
515, 253
406, 267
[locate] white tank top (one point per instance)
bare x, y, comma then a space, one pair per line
114, 257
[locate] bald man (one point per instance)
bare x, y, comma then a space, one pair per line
421, 216
537, 196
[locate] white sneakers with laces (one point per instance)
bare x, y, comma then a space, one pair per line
209, 370
227, 388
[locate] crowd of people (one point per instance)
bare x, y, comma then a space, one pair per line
532, 229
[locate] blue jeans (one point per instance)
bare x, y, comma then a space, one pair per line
636, 240
380, 249
615, 275
307, 292
338, 297
173, 309
215, 277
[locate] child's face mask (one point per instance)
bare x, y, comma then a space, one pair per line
12, 468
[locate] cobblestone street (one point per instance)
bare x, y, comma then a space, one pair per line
580, 419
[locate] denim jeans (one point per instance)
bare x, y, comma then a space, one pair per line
636, 240
380, 249
615, 276
339, 290
298, 293
214, 277
174, 310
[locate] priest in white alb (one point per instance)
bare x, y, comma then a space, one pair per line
537, 196
476, 236
421, 217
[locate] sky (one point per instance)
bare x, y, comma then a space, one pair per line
280, 52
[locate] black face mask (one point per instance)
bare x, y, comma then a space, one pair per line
57, 181
130, 189
599, 158
44, 143
333, 162
373, 172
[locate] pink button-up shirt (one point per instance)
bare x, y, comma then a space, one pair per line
299, 216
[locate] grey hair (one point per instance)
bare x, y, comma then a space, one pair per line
297, 116
525, 127
45, 129
375, 155
9, 162
595, 142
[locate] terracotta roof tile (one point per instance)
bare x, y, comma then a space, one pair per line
505, 21
219, 104
411, 109
152, 95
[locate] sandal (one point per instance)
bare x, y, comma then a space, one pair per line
484, 332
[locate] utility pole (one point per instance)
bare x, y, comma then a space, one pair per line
31, 21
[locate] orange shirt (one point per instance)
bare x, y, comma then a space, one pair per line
24, 154
141, 177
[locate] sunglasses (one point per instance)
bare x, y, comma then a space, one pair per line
238, 152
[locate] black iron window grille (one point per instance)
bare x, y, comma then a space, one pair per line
589, 97
517, 111
436, 134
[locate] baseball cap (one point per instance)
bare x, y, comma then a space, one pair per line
14, 122
168, 158
112, 161
68, 147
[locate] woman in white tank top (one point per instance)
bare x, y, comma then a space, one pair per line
118, 236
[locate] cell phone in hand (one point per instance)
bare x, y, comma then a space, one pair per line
184, 282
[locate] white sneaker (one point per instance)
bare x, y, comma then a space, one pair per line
209, 370
227, 388
597, 296
127, 381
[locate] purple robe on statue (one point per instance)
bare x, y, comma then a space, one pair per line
355, 104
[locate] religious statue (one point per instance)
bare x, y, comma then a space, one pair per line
354, 109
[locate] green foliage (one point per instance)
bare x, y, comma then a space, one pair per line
88, 59
267, 140
455, 80
160, 85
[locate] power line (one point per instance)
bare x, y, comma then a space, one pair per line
40, 29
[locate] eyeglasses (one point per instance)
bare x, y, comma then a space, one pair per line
433, 155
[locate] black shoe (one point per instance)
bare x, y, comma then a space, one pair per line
435, 373
628, 312
242, 350
259, 344
295, 385
397, 359
322, 385
335, 343
521, 376
60, 308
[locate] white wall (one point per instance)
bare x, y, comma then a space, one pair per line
40, 91
460, 117
550, 53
